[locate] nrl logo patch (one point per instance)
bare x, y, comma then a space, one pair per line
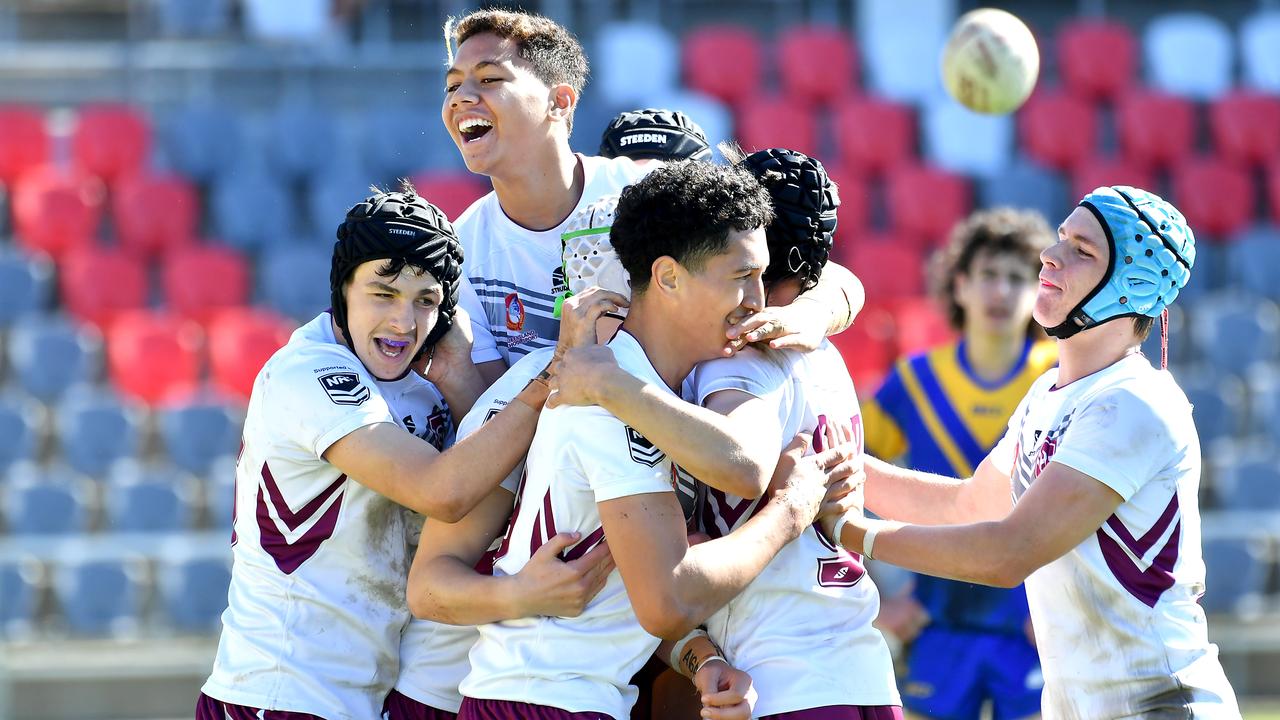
344, 388
642, 451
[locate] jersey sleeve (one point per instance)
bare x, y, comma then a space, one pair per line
484, 348
319, 396
616, 460
750, 371
1118, 439
498, 396
883, 436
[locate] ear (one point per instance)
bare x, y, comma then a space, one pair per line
666, 275
563, 101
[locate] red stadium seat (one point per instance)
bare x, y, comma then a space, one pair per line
920, 325
1096, 59
875, 135
776, 122
1215, 195
1273, 191
98, 283
817, 63
1246, 127
241, 340
924, 203
110, 140
24, 142
201, 280
154, 356
890, 267
854, 210
1156, 129
154, 213
1058, 129
723, 61
868, 348
1099, 171
55, 211
452, 192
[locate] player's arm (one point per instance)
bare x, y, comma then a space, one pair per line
450, 368
828, 308
445, 586
927, 499
490, 371
484, 348
674, 587
725, 691
1057, 512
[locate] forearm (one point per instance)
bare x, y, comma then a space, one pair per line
923, 498
713, 448
447, 590
985, 553
841, 292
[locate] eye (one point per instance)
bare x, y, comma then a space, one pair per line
486, 81
450, 87
427, 302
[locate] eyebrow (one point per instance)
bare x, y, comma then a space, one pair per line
433, 291
1077, 236
455, 70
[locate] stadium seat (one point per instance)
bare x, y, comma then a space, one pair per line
925, 203
196, 433
1273, 191
1216, 196
1189, 54
332, 191
294, 132
110, 140
240, 343
1235, 574
1155, 129
154, 356
817, 63
83, 285
1026, 184
180, 18
723, 61
1246, 127
251, 209
867, 348
1218, 402
100, 597
154, 213
24, 142
19, 597
452, 192
293, 279
220, 491
399, 141
148, 498
95, 428
201, 280
919, 325
1249, 480
633, 62
768, 122
26, 284
1058, 129
21, 426
1259, 38
1098, 172
1264, 401
1096, 58
959, 140
202, 141
874, 135
194, 592
1253, 257
890, 267
47, 354
1235, 331
44, 501
900, 42
1181, 347
854, 210
56, 210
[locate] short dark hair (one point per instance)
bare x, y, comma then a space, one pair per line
685, 210
1142, 327
999, 231
554, 53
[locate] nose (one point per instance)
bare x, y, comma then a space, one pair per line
754, 298
403, 320
1048, 256
464, 94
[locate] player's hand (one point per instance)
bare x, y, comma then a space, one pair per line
801, 482
451, 354
725, 691
902, 616
802, 326
843, 496
551, 586
579, 313
583, 375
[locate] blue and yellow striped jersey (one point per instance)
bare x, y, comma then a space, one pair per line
938, 416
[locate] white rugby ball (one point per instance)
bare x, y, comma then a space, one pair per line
990, 62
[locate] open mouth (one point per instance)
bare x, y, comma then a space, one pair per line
472, 129
392, 348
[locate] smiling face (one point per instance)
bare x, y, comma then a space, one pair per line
496, 108
725, 290
1072, 267
389, 317
997, 293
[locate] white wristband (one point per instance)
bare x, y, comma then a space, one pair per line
674, 659
707, 660
869, 542
839, 529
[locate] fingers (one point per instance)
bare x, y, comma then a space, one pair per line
739, 711
557, 544
749, 324
831, 457
799, 445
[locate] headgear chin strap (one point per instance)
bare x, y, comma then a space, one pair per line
1152, 252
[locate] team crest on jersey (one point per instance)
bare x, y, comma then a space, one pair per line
1046, 449
641, 450
515, 312
344, 388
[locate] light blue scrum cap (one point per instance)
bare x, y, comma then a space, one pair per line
1152, 251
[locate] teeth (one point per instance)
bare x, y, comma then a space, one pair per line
396, 347
472, 123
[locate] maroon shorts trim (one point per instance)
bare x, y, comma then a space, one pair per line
842, 712
399, 706
473, 709
209, 709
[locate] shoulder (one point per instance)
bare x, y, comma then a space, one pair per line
609, 175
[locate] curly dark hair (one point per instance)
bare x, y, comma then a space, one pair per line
685, 210
997, 231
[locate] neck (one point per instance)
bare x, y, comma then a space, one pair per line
993, 355
663, 343
541, 191
1099, 347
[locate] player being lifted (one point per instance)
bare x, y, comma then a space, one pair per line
942, 411
1102, 522
316, 602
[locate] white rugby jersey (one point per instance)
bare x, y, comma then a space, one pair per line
801, 629
1121, 631
580, 456
317, 598
515, 273
433, 656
